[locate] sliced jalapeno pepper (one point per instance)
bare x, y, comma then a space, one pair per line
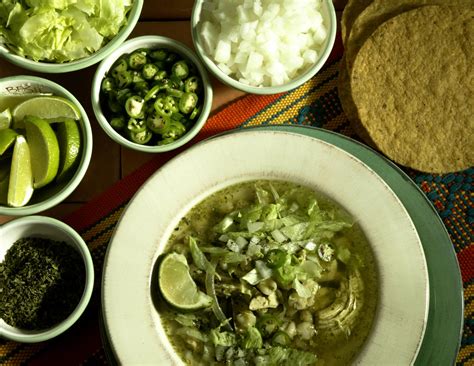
166, 106
174, 92
188, 102
276, 258
157, 123
114, 105
159, 55
149, 71
141, 137
195, 113
118, 123
174, 130
136, 125
180, 69
141, 88
137, 77
122, 95
166, 141
137, 60
192, 84
108, 85
119, 67
134, 106
124, 79
160, 75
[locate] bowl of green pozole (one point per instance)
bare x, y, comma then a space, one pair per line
303, 255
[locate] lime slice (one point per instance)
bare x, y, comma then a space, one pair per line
44, 150
7, 138
69, 138
4, 178
48, 107
20, 187
5, 119
177, 286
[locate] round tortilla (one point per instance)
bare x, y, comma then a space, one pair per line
413, 85
378, 12
349, 15
347, 103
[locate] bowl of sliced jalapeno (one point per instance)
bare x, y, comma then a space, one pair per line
152, 94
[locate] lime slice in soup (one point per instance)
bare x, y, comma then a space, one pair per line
178, 287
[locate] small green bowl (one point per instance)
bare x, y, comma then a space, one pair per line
150, 42
329, 15
57, 68
49, 196
46, 227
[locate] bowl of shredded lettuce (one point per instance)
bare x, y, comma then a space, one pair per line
57, 36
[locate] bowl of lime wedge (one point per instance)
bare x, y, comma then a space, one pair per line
45, 144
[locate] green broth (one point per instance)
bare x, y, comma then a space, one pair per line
339, 313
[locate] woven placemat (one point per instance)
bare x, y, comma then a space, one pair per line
315, 103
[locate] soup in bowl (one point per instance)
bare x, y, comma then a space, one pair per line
265, 247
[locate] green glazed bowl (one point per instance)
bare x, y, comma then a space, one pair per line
46, 227
329, 15
150, 42
56, 68
51, 195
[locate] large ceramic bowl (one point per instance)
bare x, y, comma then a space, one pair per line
19, 87
96, 57
329, 15
46, 227
152, 42
133, 325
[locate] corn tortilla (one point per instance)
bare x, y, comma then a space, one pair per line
349, 15
378, 12
413, 85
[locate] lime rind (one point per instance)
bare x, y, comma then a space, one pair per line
178, 287
44, 150
20, 184
69, 139
7, 139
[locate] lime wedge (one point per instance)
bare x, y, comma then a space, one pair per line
7, 138
5, 119
4, 178
20, 187
177, 286
69, 138
44, 150
47, 107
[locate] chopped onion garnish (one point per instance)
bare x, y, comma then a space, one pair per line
262, 42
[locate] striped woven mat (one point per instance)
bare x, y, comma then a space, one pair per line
316, 103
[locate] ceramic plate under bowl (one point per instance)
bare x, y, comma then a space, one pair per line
132, 323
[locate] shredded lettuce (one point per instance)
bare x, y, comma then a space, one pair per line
60, 30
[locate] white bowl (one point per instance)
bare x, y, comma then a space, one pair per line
132, 322
46, 227
329, 15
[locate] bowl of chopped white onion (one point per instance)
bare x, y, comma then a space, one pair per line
262, 46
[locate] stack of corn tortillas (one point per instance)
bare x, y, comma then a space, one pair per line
407, 80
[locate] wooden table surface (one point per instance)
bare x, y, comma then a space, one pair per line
110, 162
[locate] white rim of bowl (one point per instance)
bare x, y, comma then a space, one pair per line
56, 68
308, 74
88, 285
134, 44
83, 164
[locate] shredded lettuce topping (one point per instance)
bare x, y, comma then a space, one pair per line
60, 30
281, 273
